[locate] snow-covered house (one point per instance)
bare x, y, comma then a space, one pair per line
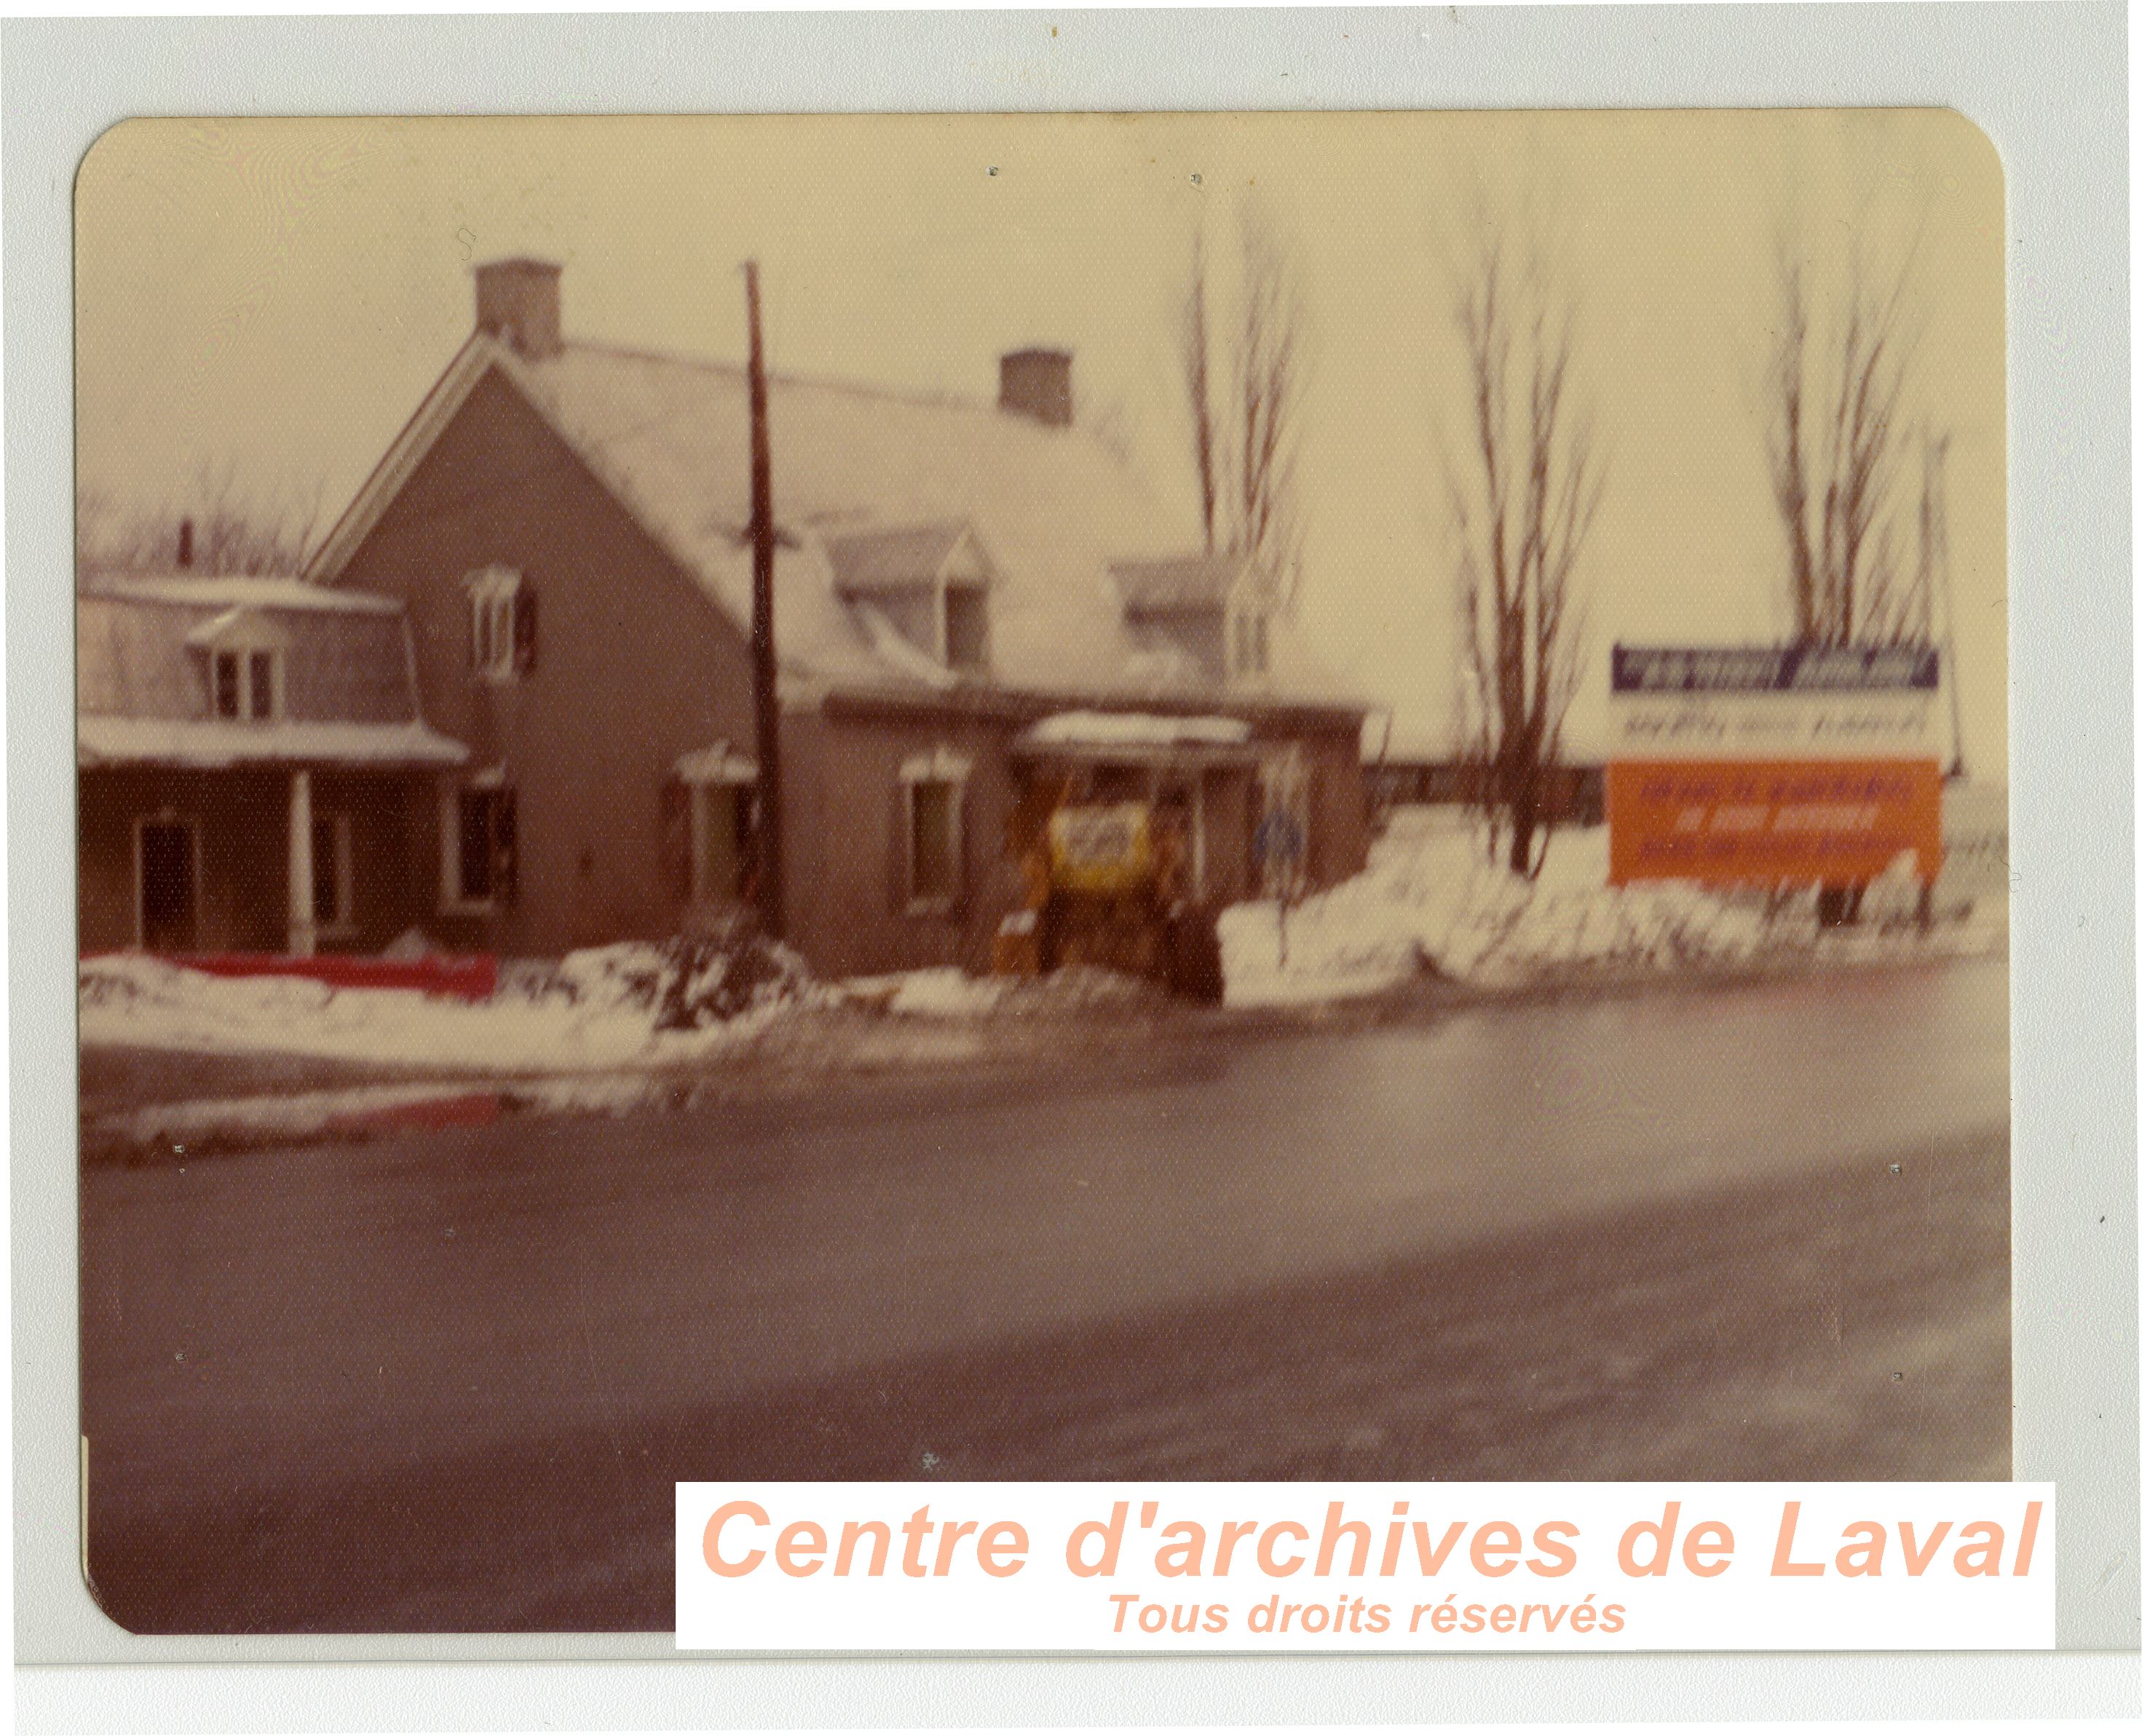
253, 772
957, 584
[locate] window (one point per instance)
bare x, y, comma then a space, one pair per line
710, 812
932, 876
722, 833
1249, 651
501, 624
479, 835
226, 683
933, 789
334, 878
966, 627
246, 684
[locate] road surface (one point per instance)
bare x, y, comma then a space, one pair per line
447, 1380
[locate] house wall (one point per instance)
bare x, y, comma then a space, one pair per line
634, 667
850, 914
1338, 821
241, 820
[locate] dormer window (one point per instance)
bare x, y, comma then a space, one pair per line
920, 589
247, 685
243, 653
1213, 612
966, 628
1249, 648
501, 624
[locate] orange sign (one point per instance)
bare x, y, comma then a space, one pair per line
1772, 822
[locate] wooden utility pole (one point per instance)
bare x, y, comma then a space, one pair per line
766, 698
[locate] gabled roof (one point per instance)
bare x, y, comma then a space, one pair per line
865, 482
203, 590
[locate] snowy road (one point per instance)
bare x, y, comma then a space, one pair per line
447, 1380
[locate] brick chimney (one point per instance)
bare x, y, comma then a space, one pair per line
516, 302
1036, 384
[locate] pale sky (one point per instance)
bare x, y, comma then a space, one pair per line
278, 295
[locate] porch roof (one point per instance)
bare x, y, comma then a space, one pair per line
208, 745
1137, 737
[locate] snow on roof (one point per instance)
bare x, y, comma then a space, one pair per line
891, 560
899, 652
670, 438
209, 744
717, 763
241, 592
1134, 729
1189, 581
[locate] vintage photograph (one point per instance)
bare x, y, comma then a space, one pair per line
1223, 796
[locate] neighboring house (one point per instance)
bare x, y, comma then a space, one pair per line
979, 613
253, 772
1412, 772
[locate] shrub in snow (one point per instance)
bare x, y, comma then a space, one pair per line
686, 984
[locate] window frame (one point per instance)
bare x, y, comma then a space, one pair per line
737, 792
244, 657
940, 767
710, 769
342, 923
454, 898
975, 592
1249, 643
495, 639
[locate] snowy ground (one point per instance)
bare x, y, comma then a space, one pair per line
592, 1011
633, 1008
1431, 900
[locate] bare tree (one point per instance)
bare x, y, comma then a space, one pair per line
1524, 478
1838, 444
1197, 382
226, 531
1244, 374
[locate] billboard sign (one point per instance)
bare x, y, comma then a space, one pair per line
1773, 765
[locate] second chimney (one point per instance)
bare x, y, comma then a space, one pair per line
1036, 384
516, 302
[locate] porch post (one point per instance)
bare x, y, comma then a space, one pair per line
302, 938
1197, 833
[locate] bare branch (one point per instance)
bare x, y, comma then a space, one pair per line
1523, 500
1839, 487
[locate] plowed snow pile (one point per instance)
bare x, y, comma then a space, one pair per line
611, 1006
1430, 901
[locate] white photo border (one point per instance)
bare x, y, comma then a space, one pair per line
2047, 82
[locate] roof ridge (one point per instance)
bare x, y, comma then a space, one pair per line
836, 532
940, 399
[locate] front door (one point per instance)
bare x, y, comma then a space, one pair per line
166, 879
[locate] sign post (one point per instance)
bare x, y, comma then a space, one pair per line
1278, 845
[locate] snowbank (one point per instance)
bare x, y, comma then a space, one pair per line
1430, 900
608, 1007
627, 1009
